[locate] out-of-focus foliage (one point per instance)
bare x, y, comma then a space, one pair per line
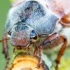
65, 64
12, 1
4, 7
65, 61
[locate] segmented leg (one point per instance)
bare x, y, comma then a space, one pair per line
50, 39
61, 51
5, 46
5, 49
53, 37
28, 50
7, 63
40, 57
36, 51
44, 43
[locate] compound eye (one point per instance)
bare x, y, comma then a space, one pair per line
33, 35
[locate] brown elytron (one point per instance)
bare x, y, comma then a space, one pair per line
65, 20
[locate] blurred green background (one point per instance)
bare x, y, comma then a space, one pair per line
4, 6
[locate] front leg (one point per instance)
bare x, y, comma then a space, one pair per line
5, 49
61, 51
40, 56
5, 46
44, 43
50, 39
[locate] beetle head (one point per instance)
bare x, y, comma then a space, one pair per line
21, 35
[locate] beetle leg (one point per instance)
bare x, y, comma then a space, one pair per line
50, 39
5, 46
28, 50
61, 51
36, 51
47, 40
7, 62
14, 50
40, 57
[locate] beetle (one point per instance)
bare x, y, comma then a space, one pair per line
28, 20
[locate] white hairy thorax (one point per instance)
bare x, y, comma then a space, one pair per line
60, 7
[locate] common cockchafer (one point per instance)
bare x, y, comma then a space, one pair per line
29, 20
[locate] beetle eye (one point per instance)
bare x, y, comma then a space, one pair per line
33, 35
